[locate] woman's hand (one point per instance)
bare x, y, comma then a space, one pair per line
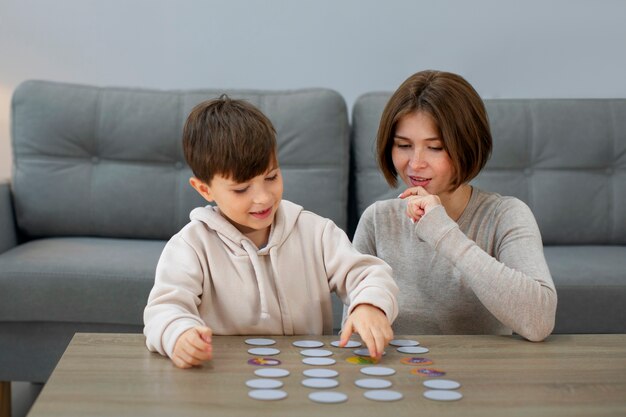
419, 202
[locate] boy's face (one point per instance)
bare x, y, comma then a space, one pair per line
250, 206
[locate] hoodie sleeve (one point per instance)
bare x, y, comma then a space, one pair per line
173, 302
355, 277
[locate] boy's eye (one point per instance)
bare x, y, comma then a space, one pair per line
272, 178
241, 190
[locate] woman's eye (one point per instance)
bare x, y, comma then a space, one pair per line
272, 178
435, 148
403, 145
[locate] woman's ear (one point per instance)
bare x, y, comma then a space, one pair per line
202, 188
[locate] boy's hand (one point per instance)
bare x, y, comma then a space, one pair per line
372, 325
419, 202
193, 347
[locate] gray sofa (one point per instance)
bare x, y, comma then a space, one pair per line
100, 184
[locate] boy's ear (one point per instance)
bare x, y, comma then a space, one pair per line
202, 188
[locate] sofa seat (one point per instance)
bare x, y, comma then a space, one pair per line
591, 288
78, 279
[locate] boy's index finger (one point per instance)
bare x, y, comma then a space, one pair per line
205, 333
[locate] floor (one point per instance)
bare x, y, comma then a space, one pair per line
23, 395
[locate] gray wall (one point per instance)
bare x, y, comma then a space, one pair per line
520, 49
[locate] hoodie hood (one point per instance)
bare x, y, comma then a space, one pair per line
284, 222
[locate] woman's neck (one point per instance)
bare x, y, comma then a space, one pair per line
455, 201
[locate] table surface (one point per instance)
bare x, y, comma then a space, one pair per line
566, 375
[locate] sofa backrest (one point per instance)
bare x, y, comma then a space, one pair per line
566, 158
108, 161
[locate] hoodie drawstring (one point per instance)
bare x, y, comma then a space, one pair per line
258, 272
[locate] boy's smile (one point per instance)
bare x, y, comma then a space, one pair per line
250, 206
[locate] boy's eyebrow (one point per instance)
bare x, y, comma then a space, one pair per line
235, 183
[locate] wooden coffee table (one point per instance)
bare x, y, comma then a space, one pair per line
566, 375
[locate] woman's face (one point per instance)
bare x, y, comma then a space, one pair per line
418, 154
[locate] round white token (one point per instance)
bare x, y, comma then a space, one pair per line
267, 394
404, 342
320, 383
364, 352
383, 395
308, 343
320, 373
263, 383
377, 371
260, 342
319, 361
441, 384
317, 353
271, 372
413, 349
263, 351
350, 344
328, 397
443, 395
372, 383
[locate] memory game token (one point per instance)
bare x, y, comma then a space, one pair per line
267, 394
263, 383
416, 361
404, 342
328, 397
320, 373
320, 383
308, 343
364, 352
263, 351
263, 362
319, 361
362, 360
350, 344
382, 395
413, 349
317, 353
372, 383
271, 372
260, 342
441, 384
427, 372
377, 371
443, 395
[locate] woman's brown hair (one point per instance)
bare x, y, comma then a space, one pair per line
456, 109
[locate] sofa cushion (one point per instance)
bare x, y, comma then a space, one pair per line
108, 161
83, 280
591, 285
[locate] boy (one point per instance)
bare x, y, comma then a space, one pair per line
256, 264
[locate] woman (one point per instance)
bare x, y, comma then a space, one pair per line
467, 261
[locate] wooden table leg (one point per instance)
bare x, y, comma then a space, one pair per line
5, 398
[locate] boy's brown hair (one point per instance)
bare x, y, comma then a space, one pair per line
228, 137
456, 109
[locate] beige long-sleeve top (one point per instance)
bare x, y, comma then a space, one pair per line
485, 273
211, 274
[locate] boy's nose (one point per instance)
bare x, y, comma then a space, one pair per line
261, 197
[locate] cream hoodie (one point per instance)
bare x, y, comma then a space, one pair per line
211, 274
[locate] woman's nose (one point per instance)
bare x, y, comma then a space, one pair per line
416, 161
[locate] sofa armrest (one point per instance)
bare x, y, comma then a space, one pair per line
8, 236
